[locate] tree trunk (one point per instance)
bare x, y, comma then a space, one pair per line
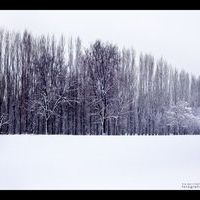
46, 126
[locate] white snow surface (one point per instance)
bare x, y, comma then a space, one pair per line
98, 162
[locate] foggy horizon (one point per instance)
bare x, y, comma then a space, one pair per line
172, 35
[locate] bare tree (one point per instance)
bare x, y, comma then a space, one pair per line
3, 120
103, 64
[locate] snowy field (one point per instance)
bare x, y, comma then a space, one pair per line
99, 162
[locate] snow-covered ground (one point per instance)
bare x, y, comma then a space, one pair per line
99, 162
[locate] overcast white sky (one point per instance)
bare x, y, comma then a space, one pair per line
175, 35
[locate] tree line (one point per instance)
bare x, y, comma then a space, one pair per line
58, 87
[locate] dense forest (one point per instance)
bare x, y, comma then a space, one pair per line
58, 87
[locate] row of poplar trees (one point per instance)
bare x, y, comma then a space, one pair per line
50, 86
